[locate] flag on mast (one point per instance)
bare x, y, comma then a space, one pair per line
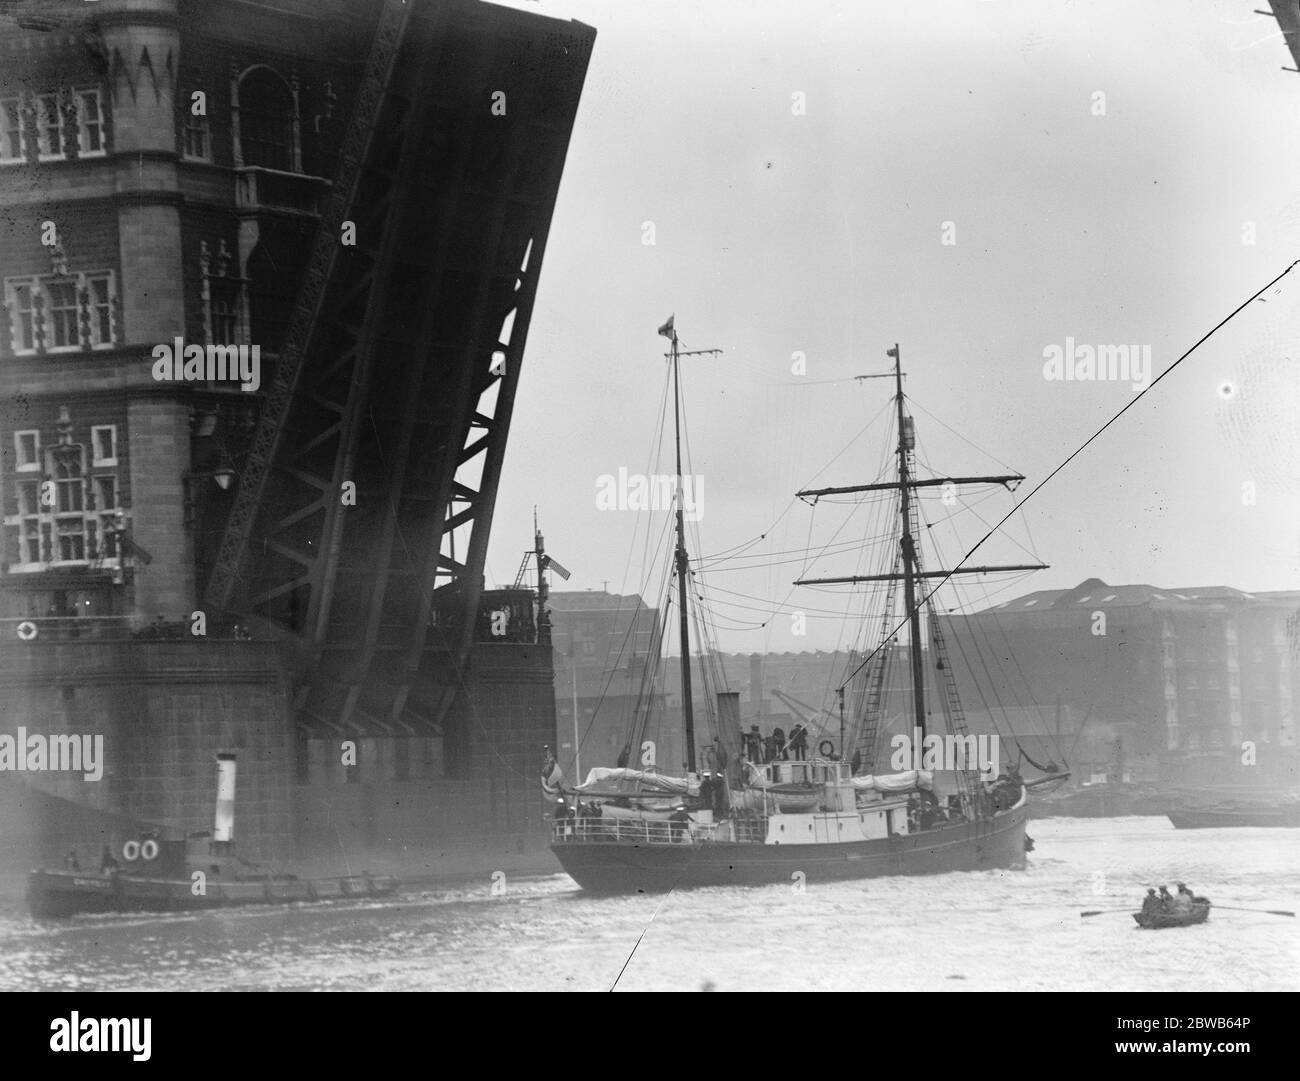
892, 352
667, 329
552, 775
551, 565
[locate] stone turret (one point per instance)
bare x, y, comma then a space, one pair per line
141, 42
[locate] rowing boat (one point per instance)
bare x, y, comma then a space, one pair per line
1156, 921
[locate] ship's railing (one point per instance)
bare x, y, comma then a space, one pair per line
594, 830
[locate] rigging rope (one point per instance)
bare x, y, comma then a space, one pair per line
1087, 442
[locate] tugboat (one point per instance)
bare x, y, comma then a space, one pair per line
747, 819
200, 871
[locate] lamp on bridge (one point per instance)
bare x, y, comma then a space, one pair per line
223, 474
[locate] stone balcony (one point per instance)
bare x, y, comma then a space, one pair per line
257, 188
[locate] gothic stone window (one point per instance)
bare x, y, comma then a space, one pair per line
61, 310
21, 296
223, 296
11, 131
61, 313
28, 532
266, 121
90, 123
49, 127
196, 141
67, 469
59, 124
61, 511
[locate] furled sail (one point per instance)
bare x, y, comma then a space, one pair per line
605, 779
895, 782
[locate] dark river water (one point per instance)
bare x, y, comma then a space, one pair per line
988, 931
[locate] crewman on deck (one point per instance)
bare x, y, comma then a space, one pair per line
719, 756
561, 816
799, 742
778, 742
679, 824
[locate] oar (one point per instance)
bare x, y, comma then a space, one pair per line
1104, 912
1266, 911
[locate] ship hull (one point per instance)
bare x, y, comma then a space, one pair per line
1158, 921
631, 867
70, 893
1259, 817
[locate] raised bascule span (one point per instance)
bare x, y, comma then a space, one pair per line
399, 370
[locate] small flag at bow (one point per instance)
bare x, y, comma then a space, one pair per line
667, 329
552, 775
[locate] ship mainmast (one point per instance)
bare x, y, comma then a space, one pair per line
906, 442
911, 572
683, 563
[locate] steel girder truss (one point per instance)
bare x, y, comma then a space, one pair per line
366, 500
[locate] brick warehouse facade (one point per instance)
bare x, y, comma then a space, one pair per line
1170, 684
163, 167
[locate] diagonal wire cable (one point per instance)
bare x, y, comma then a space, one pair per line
1084, 445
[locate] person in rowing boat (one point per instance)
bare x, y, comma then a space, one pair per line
1150, 903
1166, 901
1185, 899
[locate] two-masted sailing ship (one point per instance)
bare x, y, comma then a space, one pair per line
820, 813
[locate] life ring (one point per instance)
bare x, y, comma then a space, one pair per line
27, 630
131, 851
826, 748
149, 849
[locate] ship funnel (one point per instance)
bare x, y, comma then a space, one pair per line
729, 725
223, 828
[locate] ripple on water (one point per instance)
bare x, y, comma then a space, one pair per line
974, 932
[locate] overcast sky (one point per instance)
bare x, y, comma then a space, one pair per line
1123, 219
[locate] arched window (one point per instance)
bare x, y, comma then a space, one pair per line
266, 120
